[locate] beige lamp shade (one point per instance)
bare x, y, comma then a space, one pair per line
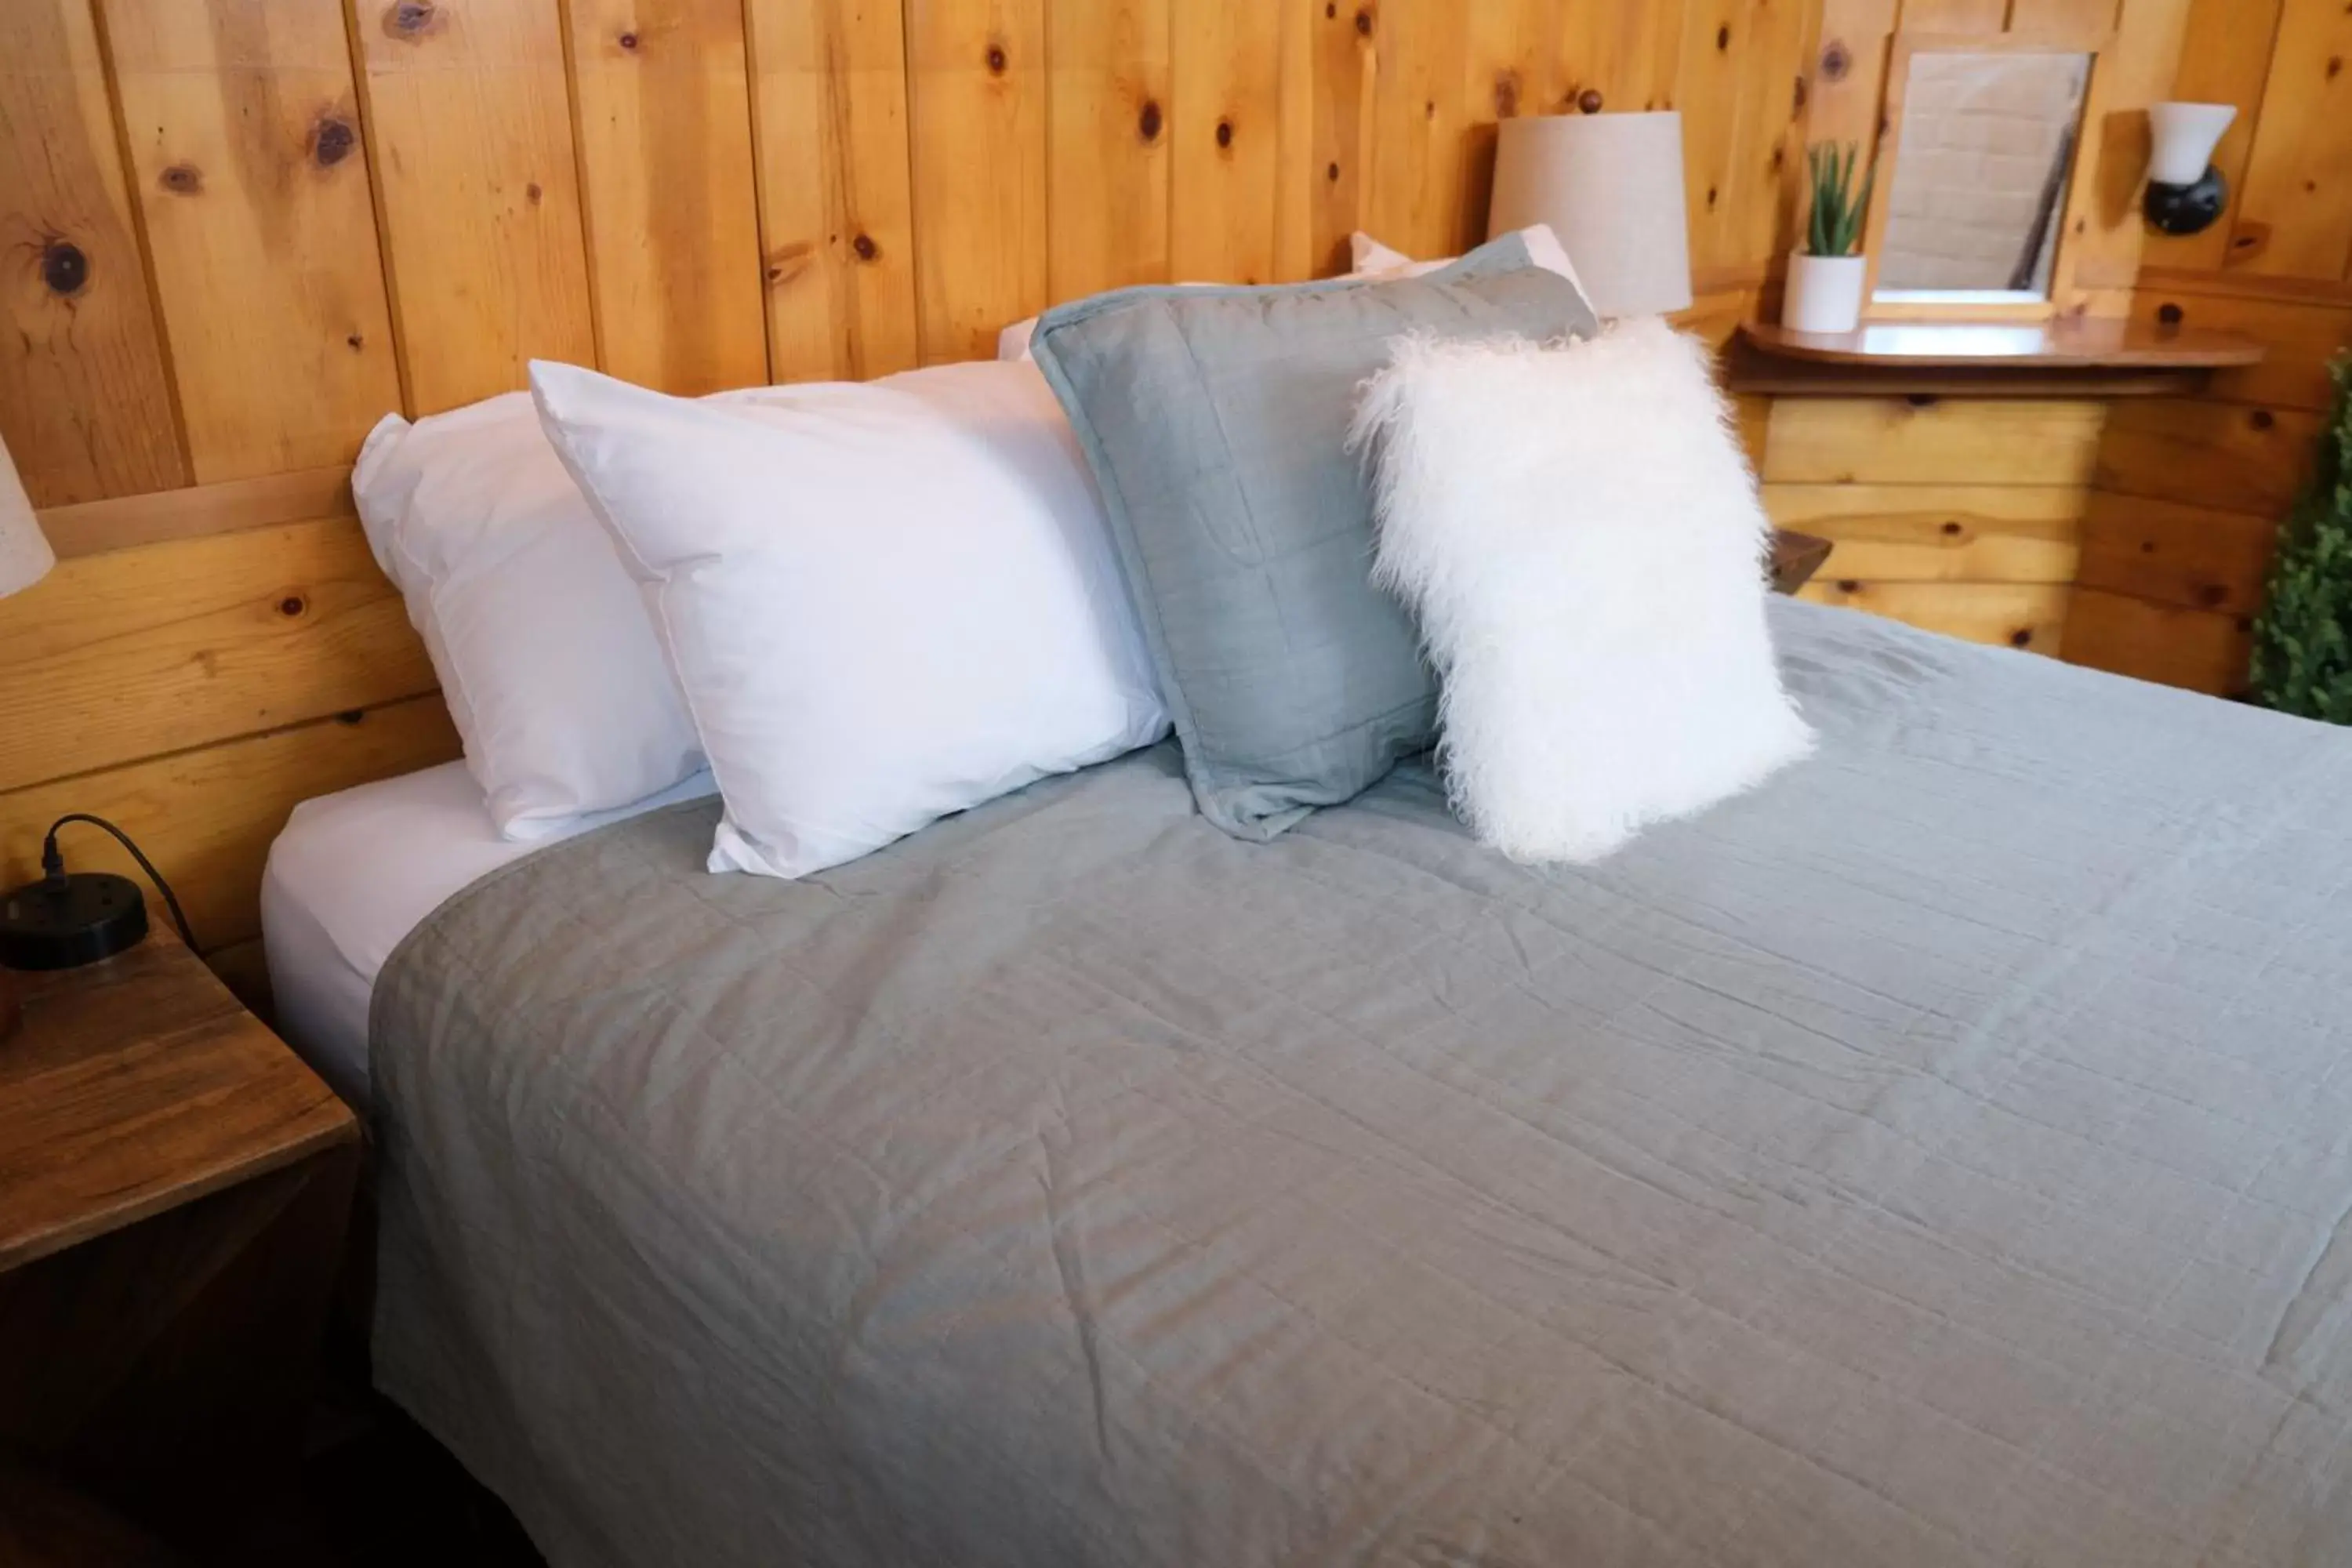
1611, 187
25, 557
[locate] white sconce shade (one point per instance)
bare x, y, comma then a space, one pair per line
1609, 186
2184, 136
25, 556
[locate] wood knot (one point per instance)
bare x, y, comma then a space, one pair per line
331, 140
790, 262
1723, 36
997, 59
355, 341
531, 193
1224, 133
2021, 637
1506, 94
1589, 100
1331, 173
1952, 531
866, 248
2261, 419
411, 21
2171, 314
2212, 595
628, 41
2334, 67
1921, 399
1147, 121
352, 716
292, 605
65, 267
1837, 60
1848, 586
182, 179
1363, 21
1713, 196
1801, 93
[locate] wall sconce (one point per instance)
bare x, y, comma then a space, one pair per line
2186, 193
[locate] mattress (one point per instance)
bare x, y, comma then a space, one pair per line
1938, 1158
353, 873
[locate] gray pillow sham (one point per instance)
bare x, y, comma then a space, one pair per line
1215, 422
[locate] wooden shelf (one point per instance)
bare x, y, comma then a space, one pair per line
2086, 358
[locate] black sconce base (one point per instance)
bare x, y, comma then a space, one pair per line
2187, 209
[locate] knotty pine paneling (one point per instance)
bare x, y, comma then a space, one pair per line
245, 230
1225, 158
2205, 452
976, 104
1939, 533
248, 165
479, 190
836, 210
2032, 616
168, 646
1933, 441
2225, 58
1110, 110
2199, 651
2103, 228
2299, 337
85, 396
2295, 210
663, 120
2177, 544
2169, 552
205, 817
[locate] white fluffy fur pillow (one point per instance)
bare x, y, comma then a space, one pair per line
1577, 531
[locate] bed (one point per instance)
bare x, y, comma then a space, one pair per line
1941, 1157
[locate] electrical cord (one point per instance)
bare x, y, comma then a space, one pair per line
53, 866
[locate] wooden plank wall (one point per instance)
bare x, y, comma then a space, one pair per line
1964, 516
237, 232
2189, 492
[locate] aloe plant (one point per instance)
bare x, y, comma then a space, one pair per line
1839, 210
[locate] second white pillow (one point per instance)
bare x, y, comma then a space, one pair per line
884, 603
1581, 540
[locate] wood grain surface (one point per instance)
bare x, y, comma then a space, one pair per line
135, 1086
240, 233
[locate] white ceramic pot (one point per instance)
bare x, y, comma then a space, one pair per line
1824, 293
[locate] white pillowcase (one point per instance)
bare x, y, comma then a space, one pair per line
1367, 257
544, 654
884, 603
1580, 536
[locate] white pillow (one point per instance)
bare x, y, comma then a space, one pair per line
884, 603
545, 657
1367, 257
1579, 536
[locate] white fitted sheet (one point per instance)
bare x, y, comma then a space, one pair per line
353, 873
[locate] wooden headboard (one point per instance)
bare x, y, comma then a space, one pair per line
238, 232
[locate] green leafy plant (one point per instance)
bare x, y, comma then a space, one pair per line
2303, 641
1839, 210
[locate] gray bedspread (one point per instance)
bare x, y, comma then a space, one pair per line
1941, 1156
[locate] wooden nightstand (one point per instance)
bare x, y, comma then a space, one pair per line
1795, 558
174, 1188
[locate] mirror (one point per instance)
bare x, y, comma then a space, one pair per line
1984, 148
